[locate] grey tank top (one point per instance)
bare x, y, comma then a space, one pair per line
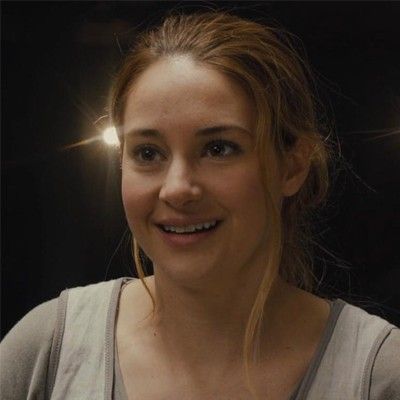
84, 362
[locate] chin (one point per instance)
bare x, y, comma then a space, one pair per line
190, 272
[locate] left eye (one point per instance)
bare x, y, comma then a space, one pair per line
222, 148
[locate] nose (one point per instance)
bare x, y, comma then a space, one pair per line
179, 187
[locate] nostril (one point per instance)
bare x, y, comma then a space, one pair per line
180, 194
180, 181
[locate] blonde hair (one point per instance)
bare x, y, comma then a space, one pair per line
266, 65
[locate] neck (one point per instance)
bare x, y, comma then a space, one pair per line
197, 333
204, 327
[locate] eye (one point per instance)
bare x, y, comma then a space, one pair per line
145, 154
222, 148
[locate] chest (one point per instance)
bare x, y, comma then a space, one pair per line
146, 377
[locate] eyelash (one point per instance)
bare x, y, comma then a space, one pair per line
234, 150
138, 152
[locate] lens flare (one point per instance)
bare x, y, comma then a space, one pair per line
110, 136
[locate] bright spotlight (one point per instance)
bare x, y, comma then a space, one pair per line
110, 136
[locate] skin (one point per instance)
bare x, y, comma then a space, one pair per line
204, 291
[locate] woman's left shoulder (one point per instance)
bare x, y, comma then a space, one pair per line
385, 375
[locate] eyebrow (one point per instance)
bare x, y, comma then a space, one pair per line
207, 131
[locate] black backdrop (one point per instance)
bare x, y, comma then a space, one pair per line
62, 217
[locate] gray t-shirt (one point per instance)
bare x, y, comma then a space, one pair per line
25, 356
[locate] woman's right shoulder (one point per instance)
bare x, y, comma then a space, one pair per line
25, 352
35, 326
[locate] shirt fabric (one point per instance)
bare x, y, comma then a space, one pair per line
65, 349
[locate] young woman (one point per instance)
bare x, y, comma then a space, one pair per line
222, 160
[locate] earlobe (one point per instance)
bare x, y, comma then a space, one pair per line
297, 166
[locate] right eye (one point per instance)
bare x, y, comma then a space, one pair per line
146, 154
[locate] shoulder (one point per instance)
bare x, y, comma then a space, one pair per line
353, 317
355, 331
358, 330
374, 349
352, 342
385, 375
25, 352
35, 328
363, 332
97, 289
87, 303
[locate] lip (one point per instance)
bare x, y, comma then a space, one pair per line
180, 222
186, 239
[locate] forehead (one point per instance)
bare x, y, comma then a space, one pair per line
177, 90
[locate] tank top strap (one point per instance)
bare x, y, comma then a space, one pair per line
82, 355
345, 367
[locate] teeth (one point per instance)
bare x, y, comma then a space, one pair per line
189, 228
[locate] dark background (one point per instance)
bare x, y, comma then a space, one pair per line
62, 219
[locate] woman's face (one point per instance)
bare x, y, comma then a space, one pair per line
189, 163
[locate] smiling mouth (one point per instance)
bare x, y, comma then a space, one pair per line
190, 229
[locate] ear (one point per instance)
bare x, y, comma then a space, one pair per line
296, 167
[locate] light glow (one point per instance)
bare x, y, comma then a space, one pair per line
110, 136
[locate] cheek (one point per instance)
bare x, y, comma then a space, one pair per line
244, 199
246, 191
137, 198
253, 207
